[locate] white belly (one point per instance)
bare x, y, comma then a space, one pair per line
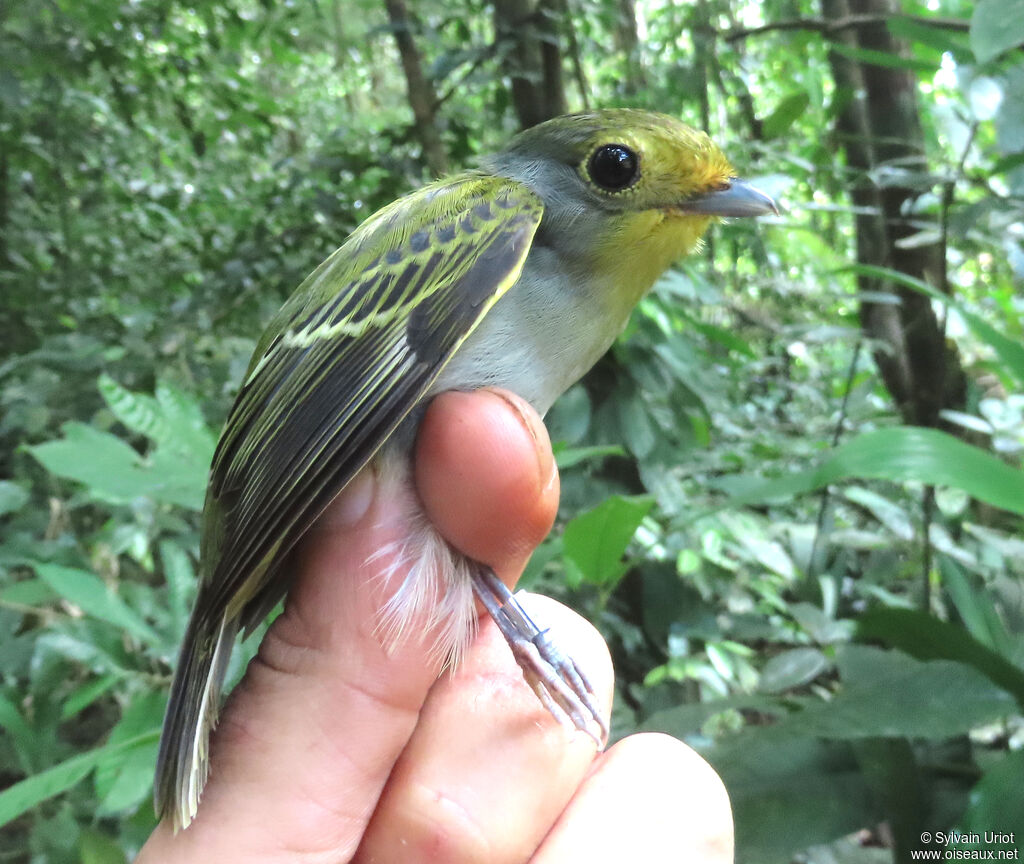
537, 340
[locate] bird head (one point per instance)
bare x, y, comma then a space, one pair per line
626, 192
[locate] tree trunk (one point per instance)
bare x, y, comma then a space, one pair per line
627, 42
422, 98
534, 59
880, 130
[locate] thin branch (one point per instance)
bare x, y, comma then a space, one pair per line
829, 28
574, 54
927, 554
46, 615
928, 495
819, 527
948, 191
482, 57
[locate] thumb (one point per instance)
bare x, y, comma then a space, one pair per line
487, 477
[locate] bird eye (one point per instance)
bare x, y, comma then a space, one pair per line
614, 167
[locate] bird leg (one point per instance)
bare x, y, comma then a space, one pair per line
560, 684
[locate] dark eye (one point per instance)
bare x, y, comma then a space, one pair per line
614, 167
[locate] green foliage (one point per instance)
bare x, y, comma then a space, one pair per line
905, 454
844, 643
595, 542
998, 799
23, 796
996, 26
172, 472
926, 637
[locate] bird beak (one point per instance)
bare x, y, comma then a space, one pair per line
736, 199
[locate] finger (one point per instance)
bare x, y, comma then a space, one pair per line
474, 517
309, 737
293, 769
648, 798
487, 771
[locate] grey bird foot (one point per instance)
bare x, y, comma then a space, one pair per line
560, 684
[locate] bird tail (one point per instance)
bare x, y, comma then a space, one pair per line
183, 762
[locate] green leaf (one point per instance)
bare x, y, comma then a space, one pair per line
177, 480
112, 471
595, 541
90, 594
79, 649
891, 515
186, 427
1009, 124
543, 555
792, 668
28, 592
181, 582
997, 801
136, 410
996, 26
97, 848
1006, 164
12, 497
23, 738
173, 419
927, 638
173, 472
1009, 350
122, 784
131, 780
687, 718
101, 461
786, 113
637, 427
82, 697
883, 58
569, 418
723, 336
904, 454
567, 457
975, 607
790, 792
891, 768
887, 694
23, 796
935, 37
819, 625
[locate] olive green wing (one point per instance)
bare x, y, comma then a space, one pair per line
344, 362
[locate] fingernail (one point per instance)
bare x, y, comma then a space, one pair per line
552, 470
547, 471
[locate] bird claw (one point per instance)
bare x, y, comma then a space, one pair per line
561, 686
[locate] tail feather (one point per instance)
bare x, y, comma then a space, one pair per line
183, 762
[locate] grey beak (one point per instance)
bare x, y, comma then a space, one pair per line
737, 199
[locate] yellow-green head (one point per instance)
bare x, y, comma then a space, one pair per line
626, 192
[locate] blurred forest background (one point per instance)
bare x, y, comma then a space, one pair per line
792, 494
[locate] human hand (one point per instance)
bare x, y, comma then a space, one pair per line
335, 749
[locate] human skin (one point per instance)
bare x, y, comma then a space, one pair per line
336, 747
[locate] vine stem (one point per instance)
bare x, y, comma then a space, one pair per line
928, 495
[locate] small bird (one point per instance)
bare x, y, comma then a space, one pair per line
519, 274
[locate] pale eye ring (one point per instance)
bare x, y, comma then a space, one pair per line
614, 167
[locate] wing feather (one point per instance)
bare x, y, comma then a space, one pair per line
355, 350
